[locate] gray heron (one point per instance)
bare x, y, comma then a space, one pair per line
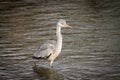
51, 49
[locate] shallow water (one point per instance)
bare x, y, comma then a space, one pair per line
91, 49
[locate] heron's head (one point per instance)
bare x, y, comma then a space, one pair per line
62, 23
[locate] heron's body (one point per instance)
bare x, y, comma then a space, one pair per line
51, 49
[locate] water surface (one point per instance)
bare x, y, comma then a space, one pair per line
91, 49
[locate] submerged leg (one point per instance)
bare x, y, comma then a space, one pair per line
35, 64
51, 62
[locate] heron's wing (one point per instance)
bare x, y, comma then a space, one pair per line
45, 50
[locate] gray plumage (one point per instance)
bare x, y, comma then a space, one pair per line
51, 49
46, 49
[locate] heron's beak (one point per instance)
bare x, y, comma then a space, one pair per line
67, 26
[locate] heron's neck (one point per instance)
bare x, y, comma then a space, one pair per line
59, 39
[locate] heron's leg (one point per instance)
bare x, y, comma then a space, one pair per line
35, 64
51, 62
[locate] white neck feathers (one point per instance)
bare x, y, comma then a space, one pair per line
59, 40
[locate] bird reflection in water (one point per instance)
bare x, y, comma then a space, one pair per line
47, 73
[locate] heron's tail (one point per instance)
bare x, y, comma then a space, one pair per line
35, 57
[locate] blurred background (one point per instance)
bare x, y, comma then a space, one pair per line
91, 49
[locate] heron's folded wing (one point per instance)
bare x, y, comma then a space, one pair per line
45, 51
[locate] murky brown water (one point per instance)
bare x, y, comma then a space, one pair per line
91, 49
